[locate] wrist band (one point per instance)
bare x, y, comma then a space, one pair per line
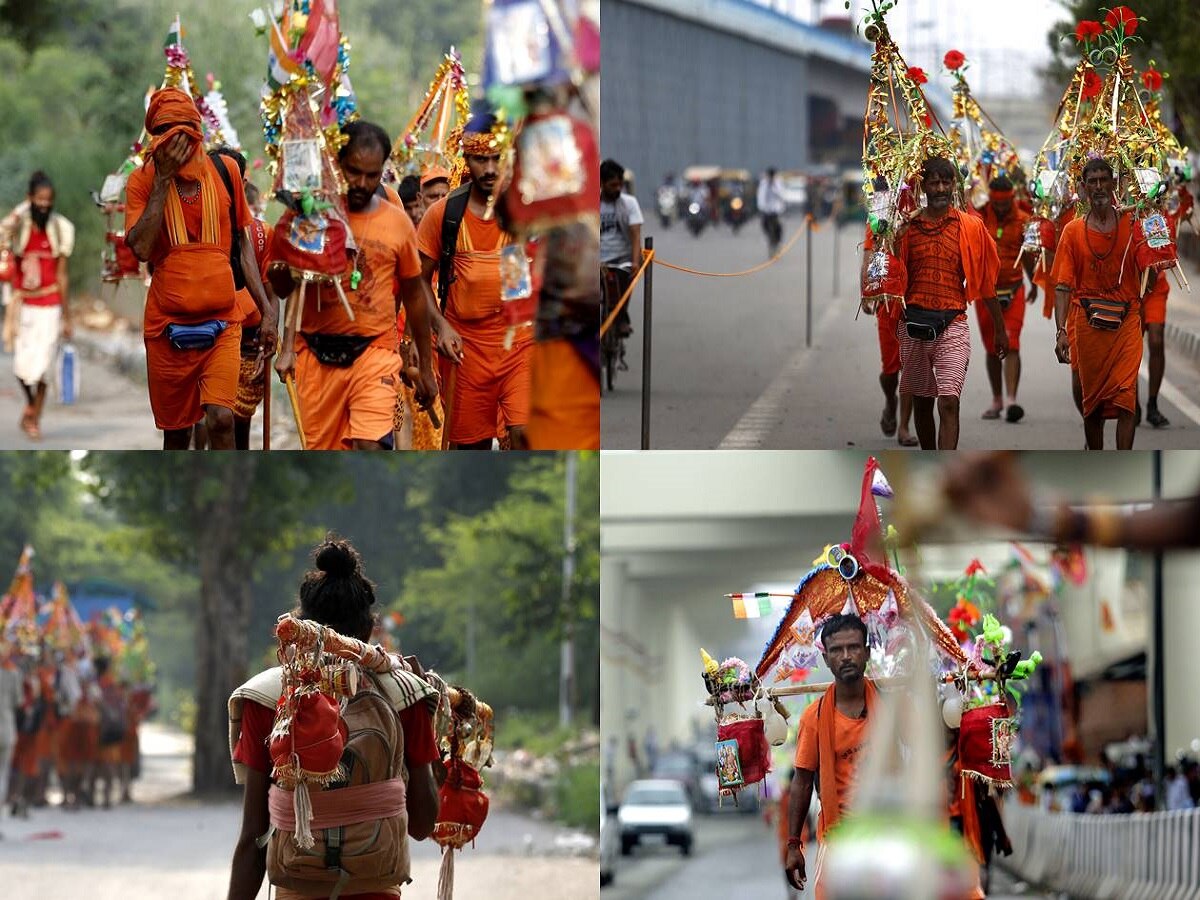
795, 842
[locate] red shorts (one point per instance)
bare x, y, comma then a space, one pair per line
886, 318
1014, 321
1154, 304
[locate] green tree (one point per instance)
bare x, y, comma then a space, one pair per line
223, 514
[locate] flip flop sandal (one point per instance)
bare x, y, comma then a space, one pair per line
887, 423
991, 413
32, 431
909, 440
1014, 413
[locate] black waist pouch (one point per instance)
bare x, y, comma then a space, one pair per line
1107, 315
339, 350
928, 324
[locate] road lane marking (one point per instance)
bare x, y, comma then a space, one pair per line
1176, 397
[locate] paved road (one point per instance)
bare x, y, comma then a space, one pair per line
113, 409
730, 367
163, 846
734, 857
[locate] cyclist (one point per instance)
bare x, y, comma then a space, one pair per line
620, 234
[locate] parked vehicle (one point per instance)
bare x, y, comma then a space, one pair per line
736, 212
794, 187
681, 766
658, 809
610, 839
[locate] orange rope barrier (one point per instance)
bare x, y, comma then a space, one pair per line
647, 257
770, 262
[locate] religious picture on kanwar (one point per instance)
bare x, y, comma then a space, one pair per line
288, 264
196, 701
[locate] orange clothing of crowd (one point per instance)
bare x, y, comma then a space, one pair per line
489, 377
1154, 304
565, 399
848, 738
950, 263
1008, 235
192, 282
387, 255
1094, 265
248, 310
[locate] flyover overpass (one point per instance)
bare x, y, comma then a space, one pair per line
729, 83
679, 529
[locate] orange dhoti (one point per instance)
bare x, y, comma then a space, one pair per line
183, 382
339, 405
887, 319
1107, 362
1154, 304
565, 406
489, 379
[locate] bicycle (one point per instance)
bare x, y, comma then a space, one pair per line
612, 344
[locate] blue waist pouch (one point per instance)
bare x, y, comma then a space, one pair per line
195, 337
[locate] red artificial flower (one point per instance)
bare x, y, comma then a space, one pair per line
917, 74
1122, 17
1088, 30
1092, 84
975, 568
1152, 79
953, 60
928, 120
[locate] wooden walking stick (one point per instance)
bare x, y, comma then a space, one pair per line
448, 405
266, 404
290, 381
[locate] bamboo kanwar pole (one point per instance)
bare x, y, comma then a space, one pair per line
795, 690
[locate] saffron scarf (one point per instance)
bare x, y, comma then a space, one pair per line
826, 760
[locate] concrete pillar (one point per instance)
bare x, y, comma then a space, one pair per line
1181, 614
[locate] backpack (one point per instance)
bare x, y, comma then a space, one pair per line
235, 246
369, 856
456, 208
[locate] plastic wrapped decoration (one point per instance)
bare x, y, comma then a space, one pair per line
555, 179
1153, 248
885, 279
312, 238
520, 284
179, 75
465, 728
18, 608
981, 147
433, 134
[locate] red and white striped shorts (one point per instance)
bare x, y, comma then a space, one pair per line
935, 368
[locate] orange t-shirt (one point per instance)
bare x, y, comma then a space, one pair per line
387, 255
933, 260
1089, 262
1008, 235
474, 301
137, 194
849, 740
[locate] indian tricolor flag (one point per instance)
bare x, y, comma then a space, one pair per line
175, 35
281, 66
760, 605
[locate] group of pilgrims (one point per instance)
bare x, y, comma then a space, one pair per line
434, 291
73, 695
955, 219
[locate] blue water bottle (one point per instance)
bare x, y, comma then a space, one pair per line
68, 375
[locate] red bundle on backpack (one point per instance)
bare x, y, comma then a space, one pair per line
753, 751
463, 806
985, 740
314, 243
885, 278
1153, 247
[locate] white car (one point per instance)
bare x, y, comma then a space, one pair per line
609, 840
656, 807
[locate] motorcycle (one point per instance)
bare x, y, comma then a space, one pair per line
668, 205
697, 216
735, 213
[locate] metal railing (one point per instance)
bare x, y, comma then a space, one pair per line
1139, 856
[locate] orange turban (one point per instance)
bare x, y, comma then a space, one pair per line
171, 105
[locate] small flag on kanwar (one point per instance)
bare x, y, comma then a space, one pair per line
757, 606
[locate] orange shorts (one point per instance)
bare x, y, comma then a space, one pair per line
1154, 304
183, 382
1014, 321
565, 408
341, 405
489, 389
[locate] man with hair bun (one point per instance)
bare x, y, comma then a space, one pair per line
338, 595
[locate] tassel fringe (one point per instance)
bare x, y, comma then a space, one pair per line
302, 805
445, 888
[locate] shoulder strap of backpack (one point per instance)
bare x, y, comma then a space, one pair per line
456, 208
233, 231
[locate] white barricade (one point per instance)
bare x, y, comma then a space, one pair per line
1139, 856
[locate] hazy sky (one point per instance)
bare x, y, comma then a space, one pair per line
1004, 40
